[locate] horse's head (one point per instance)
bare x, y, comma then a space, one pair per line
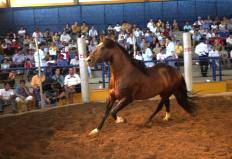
102, 52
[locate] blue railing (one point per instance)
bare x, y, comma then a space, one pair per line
106, 69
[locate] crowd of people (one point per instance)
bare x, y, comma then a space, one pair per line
154, 43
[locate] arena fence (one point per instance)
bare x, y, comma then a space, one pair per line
219, 69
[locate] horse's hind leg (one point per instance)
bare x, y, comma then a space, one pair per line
160, 106
122, 104
167, 105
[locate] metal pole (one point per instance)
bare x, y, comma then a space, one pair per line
134, 44
187, 60
214, 67
81, 43
39, 70
103, 75
220, 69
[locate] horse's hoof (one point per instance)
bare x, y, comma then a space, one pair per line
119, 120
167, 117
94, 132
147, 124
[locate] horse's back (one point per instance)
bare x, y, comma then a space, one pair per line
169, 76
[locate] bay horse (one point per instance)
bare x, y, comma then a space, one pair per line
131, 80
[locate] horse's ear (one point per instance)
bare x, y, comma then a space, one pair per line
108, 43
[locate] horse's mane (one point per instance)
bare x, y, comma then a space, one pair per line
108, 43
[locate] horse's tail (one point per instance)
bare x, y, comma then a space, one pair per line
184, 100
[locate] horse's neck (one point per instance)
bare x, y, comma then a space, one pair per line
119, 65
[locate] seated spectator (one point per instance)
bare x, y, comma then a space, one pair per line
58, 77
15, 45
28, 69
138, 55
18, 58
7, 96
38, 35
148, 37
196, 37
22, 32
67, 29
55, 37
65, 37
179, 49
76, 30
93, 32
72, 82
229, 43
117, 28
23, 94
75, 61
175, 25
91, 46
48, 35
206, 34
61, 62
187, 27
84, 29
52, 91
5, 65
160, 56
53, 50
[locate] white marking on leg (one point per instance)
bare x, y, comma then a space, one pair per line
167, 116
94, 132
119, 120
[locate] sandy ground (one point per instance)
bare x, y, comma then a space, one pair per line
63, 133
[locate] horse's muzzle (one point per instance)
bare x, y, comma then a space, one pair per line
89, 61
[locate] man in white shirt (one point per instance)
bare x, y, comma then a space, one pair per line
72, 82
170, 54
148, 56
202, 51
93, 32
7, 96
117, 28
229, 43
39, 56
65, 37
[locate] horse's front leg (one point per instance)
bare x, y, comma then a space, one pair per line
121, 104
109, 103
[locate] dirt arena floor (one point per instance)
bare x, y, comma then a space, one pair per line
63, 133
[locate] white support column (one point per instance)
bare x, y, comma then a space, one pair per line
39, 71
187, 60
81, 43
